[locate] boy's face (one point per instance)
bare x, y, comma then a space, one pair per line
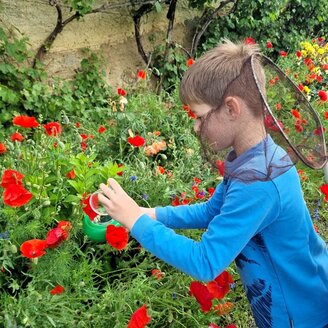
212, 126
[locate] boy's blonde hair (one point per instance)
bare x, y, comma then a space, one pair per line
225, 71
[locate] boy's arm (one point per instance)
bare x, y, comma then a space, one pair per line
195, 216
247, 209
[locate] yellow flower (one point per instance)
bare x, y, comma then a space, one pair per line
304, 53
321, 51
306, 89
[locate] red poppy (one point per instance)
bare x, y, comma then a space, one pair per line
210, 191
136, 141
298, 128
3, 148
87, 208
220, 286
139, 318
319, 131
77, 124
120, 173
16, 195
55, 237
323, 95
231, 325
283, 53
220, 166
117, 237
324, 190
57, 290
25, 121
271, 124
269, 44
249, 40
295, 113
213, 325
16, 136
101, 129
298, 54
142, 74
53, 128
64, 225
83, 146
189, 62
121, 92
301, 87
33, 248
11, 177
202, 295
326, 115
71, 174
190, 113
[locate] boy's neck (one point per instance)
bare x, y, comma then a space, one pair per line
246, 142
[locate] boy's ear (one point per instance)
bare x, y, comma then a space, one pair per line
233, 107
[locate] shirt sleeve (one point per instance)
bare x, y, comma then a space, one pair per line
247, 209
195, 216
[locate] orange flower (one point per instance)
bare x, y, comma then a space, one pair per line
157, 273
33, 248
139, 318
224, 308
57, 290
71, 174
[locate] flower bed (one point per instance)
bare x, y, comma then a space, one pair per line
60, 267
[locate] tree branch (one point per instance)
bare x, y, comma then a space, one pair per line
202, 26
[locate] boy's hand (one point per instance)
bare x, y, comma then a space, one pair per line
118, 204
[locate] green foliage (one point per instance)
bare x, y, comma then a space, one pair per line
284, 23
81, 7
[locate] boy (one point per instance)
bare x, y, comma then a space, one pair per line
257, 215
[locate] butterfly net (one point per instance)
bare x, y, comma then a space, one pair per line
291, 128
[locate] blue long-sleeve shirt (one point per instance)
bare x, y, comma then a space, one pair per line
265, 227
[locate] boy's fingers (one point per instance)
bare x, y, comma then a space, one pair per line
108, 191
104, 200
114, 185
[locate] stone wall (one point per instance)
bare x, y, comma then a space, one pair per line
110, 34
